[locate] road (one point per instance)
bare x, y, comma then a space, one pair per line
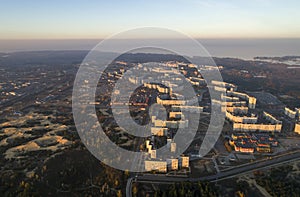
230, 173
129, 187
246, 168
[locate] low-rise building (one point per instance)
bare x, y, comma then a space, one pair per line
266, 149
236, 136
248, 143
244, 148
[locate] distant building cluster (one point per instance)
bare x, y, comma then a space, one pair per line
252, 129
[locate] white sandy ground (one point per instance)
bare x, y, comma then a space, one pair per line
49, 141
12, 134
33, 146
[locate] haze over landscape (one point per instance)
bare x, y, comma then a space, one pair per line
240, 48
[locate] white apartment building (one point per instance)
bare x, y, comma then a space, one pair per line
241, 119
185, 161
160, 166
257, 127
297, 128
237, 110
290, 113
251, 100
271, 118
158, 131
172, 164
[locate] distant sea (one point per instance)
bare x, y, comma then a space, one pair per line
239, 48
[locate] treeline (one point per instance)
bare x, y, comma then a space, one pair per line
279, 183
188, 189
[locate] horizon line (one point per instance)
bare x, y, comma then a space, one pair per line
197, 38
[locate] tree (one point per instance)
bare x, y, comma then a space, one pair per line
134, 190
116, 182
164, 194
119, 193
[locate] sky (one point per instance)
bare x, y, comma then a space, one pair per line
96, 19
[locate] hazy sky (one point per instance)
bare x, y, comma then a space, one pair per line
72, 19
